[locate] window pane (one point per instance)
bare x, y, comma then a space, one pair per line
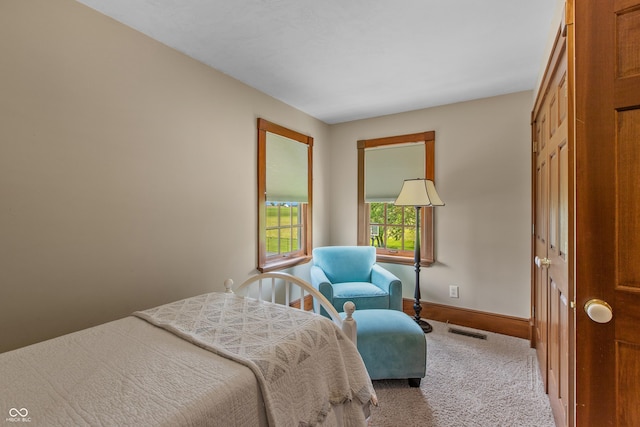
394, 238
377, 236
410, 215
409, 238
377, 213
285, 240
290, 239
394, 214
285, 215
272, 215
272, 242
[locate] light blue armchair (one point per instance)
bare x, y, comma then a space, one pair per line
350, 273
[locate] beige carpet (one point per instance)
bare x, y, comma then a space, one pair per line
469, 382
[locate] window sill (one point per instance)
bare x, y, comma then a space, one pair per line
397, 259
283, 262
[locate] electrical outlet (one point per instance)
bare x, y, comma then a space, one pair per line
453, 291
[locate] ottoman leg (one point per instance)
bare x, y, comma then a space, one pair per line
414, 382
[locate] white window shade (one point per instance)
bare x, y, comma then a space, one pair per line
286, 170
386, 169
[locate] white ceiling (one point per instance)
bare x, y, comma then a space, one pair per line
341, 60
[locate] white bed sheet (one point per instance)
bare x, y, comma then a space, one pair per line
126, 372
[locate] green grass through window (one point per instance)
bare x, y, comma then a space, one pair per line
283, 228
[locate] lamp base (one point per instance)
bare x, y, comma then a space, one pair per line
424, 325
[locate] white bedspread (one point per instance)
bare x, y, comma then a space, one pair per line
303, 362
126, 373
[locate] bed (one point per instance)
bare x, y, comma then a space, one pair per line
219, 359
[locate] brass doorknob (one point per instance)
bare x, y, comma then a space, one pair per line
542, 262
598, 311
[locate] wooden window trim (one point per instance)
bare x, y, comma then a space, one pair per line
281, 261
427, 217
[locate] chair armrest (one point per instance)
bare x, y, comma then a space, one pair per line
388, 282
320, 281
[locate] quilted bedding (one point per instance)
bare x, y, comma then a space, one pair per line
129, 372
304, 363
126, 372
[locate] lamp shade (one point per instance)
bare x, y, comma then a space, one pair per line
418, 192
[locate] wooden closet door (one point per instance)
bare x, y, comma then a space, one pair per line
608, 210
553, 291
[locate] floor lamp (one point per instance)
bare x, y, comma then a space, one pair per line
418, 192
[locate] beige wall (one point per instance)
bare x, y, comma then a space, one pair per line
127, 178
127, 171
483, 175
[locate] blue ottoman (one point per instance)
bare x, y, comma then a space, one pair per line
391, 344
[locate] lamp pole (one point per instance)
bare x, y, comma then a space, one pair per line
417, 307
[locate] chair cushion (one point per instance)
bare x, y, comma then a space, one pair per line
356, 289
364, 295
345, 263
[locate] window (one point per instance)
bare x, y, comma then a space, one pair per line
383, 165
284, 197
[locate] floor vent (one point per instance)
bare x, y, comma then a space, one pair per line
468, 333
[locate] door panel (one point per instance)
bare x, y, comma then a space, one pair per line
541, 286
554, 200
558, 270
629, 206
627, 286
628, 362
